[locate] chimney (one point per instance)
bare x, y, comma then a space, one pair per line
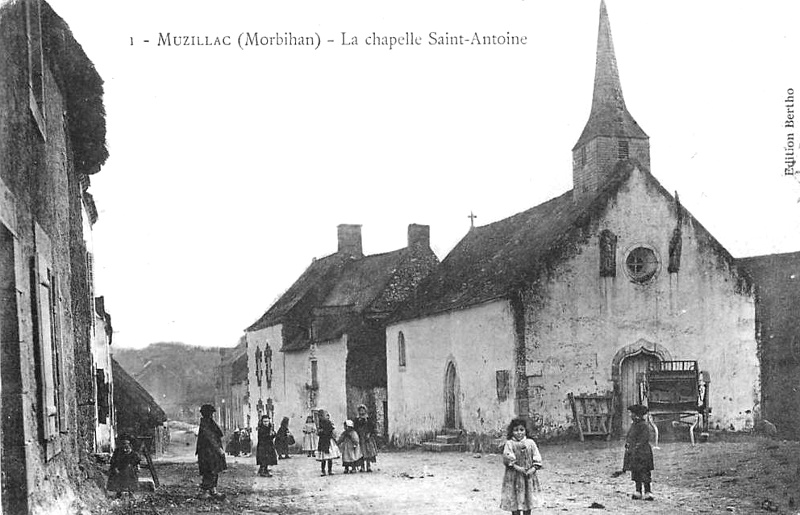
419, 236
350, 240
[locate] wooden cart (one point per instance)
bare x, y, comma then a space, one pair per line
676, 390
593, 414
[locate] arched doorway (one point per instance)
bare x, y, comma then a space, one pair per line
631, 367
627, 363
451, 396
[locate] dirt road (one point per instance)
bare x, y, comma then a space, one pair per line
735, 476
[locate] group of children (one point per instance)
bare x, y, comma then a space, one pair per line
239, 443
356, 445
520, 490
357, 448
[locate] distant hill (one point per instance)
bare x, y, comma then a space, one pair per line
180, 377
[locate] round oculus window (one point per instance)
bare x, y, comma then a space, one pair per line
641, 264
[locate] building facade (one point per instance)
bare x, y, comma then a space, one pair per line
105, 432
52, 138
230, 396
777, 287
577, 295
321, 345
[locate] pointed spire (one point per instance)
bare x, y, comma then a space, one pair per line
607, 89
609, 116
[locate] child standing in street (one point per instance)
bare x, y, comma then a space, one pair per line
520, 492
638, 453
365, 427
265, 449
310, 437
123, 477
327, 450
282, 439
350, 447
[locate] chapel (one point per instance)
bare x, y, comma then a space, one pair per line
579, 295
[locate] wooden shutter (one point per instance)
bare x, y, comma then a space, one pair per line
45, 306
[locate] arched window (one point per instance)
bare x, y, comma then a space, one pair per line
401, 349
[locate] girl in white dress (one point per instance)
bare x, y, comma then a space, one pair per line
521, 490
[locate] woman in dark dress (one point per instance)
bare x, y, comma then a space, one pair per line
282, 442
265, 449
210, 454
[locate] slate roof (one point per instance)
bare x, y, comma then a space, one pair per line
496, 260
609, 115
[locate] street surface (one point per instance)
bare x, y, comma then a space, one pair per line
741, 475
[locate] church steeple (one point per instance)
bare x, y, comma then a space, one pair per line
611, 134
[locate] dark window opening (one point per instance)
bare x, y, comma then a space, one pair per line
623, 150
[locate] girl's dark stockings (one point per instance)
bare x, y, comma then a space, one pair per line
330, 467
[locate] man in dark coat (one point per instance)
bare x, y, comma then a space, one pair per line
210, 455
638, 453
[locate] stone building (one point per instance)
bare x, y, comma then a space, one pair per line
52, 138
105, 433
230, 395
322, 343
575, 295
777, 286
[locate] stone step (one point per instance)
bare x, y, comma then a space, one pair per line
450, 431
447, 438
444, 447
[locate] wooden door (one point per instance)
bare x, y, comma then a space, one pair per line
631, 367
450, 404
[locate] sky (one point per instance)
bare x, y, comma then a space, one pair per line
231, 166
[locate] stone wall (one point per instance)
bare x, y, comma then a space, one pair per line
480, 342
578, 322
40, 185
291, 391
